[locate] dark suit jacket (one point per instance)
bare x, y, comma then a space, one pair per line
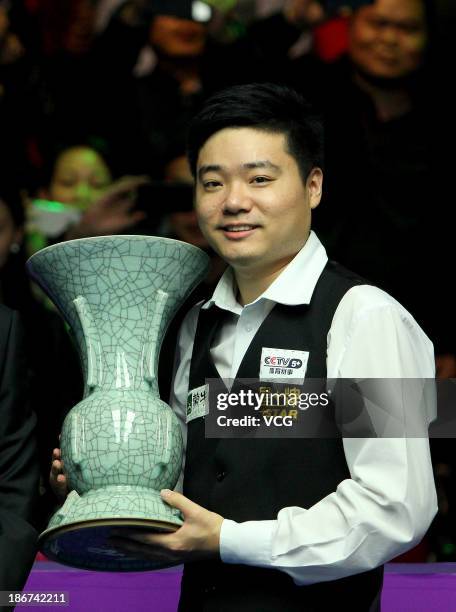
19, 473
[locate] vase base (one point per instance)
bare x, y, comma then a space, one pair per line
79, 533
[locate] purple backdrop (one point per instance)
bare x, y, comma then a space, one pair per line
408, 588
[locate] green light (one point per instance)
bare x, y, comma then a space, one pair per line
51, 206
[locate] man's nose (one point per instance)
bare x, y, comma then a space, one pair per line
237, 199
389, 34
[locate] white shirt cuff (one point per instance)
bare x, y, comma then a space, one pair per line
248, 543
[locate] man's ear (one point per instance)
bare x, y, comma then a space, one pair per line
314, 184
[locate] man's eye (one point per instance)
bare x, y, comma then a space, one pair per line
211, 184
260, 179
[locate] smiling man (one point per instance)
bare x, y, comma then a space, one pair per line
286, 524
253, 205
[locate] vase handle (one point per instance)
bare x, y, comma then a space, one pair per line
92, 340
168, 437
153, 349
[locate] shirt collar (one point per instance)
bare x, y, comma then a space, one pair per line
295, 285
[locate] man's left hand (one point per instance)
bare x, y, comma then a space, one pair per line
197, 539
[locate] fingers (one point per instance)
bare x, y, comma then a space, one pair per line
125, 187
57, 478
57, 463
179, 501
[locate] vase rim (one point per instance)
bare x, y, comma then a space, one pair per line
111, 236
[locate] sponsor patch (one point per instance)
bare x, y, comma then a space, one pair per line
283, 364
197, 403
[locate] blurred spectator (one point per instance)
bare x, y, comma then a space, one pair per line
388, 120
91, 202
54, 374
79, 177
69, 73
147, 117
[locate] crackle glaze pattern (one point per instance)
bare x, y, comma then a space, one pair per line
118, 294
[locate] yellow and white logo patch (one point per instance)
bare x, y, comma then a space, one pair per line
283, 364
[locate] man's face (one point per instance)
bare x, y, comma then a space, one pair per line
388, 38
251, 202
177, 38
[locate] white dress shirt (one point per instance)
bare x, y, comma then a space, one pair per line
389, 502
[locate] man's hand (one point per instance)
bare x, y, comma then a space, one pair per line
197, 539
113, 212
57, 478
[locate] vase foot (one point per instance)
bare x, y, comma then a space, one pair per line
79, 533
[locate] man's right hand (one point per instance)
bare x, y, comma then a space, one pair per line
57, 478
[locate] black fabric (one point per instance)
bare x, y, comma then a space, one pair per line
18, 462
253, 479
52, 364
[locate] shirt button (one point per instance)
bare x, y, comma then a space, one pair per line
220, 476
248, 328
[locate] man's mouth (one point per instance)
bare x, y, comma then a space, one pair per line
238, 231
238, 228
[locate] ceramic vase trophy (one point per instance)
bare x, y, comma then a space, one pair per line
121, 444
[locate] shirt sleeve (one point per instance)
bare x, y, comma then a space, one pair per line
389, 502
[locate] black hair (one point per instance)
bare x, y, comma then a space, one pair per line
264, 106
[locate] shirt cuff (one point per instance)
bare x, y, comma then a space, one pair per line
247, 543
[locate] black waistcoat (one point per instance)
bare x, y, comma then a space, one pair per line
253, 479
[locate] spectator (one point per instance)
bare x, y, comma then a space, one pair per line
81, 180
387, 126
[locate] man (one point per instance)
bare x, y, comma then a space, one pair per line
285, 524
391, 118
304, 521
18, 462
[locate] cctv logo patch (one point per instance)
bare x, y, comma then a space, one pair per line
283, 364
